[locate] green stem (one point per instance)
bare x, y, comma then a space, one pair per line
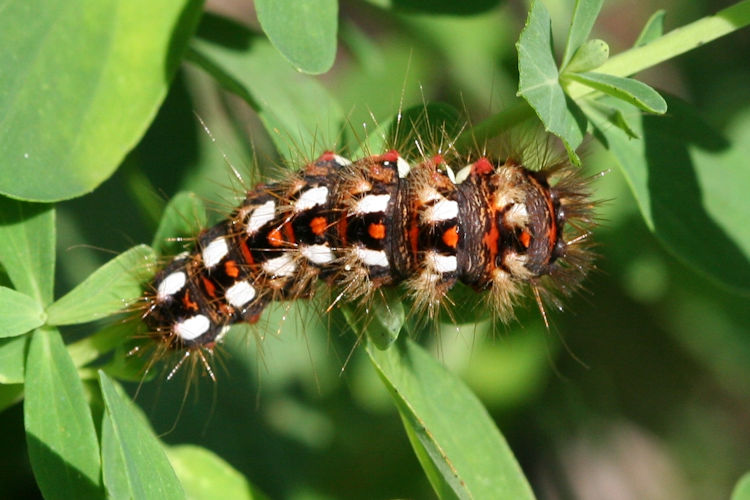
672, 44
627, 63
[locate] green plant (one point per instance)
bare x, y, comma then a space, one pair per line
81, 84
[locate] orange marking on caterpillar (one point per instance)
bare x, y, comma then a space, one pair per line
376, 231
450, 237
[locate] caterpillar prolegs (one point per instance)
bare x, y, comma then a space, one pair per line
378, 222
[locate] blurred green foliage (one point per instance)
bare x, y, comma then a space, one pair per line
641, 389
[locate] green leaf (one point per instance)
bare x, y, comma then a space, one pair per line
27, 247
13, 359
539, 83
184, 217
133, 460
690, 184
384, 320
629, 90
60, 432
110, 289
458, 444
590, 55
741, 490
584, 16
250, 67
653, 29
10, 394
432, 7
19, 313
303, 31
88, 77
204, 475
92, 347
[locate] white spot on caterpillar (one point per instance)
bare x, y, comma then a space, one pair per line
463, 174
441, 263
517, 215
261, 216
341, 161
170, 285
372, 203
283, 265
318, 254
192, 327
311, 198
442, 210
371, 257
240, 294
403, 167
214, 252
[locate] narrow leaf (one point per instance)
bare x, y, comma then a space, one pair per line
742, 488
203, 474
184, 216
539, 83
250, 67
454, 434
88, 77
304, 31
133, 460
653, 29
110, 289
27, 247
13, 359
60, 432
627, 89
584, 16
690, 184
19, 313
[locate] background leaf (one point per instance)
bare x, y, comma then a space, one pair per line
248, 65
304, 31
653, 29
13, 359
133, 460
27, 247
689, 183
109, 290
451, 426
18, 313
205, 475
60, 433
584, 16
184, 216
88, 78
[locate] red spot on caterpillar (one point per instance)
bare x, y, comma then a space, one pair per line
231, 269
450, 237
525, 238
391, 156
288, 232
327, 156
318, 225
275, 239
437, 160
490, 240
189, 304
376, 231
246, 254
482, 167
209, 287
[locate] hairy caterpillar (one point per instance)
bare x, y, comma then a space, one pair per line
372, 223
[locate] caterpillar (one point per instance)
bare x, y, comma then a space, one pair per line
498, 227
